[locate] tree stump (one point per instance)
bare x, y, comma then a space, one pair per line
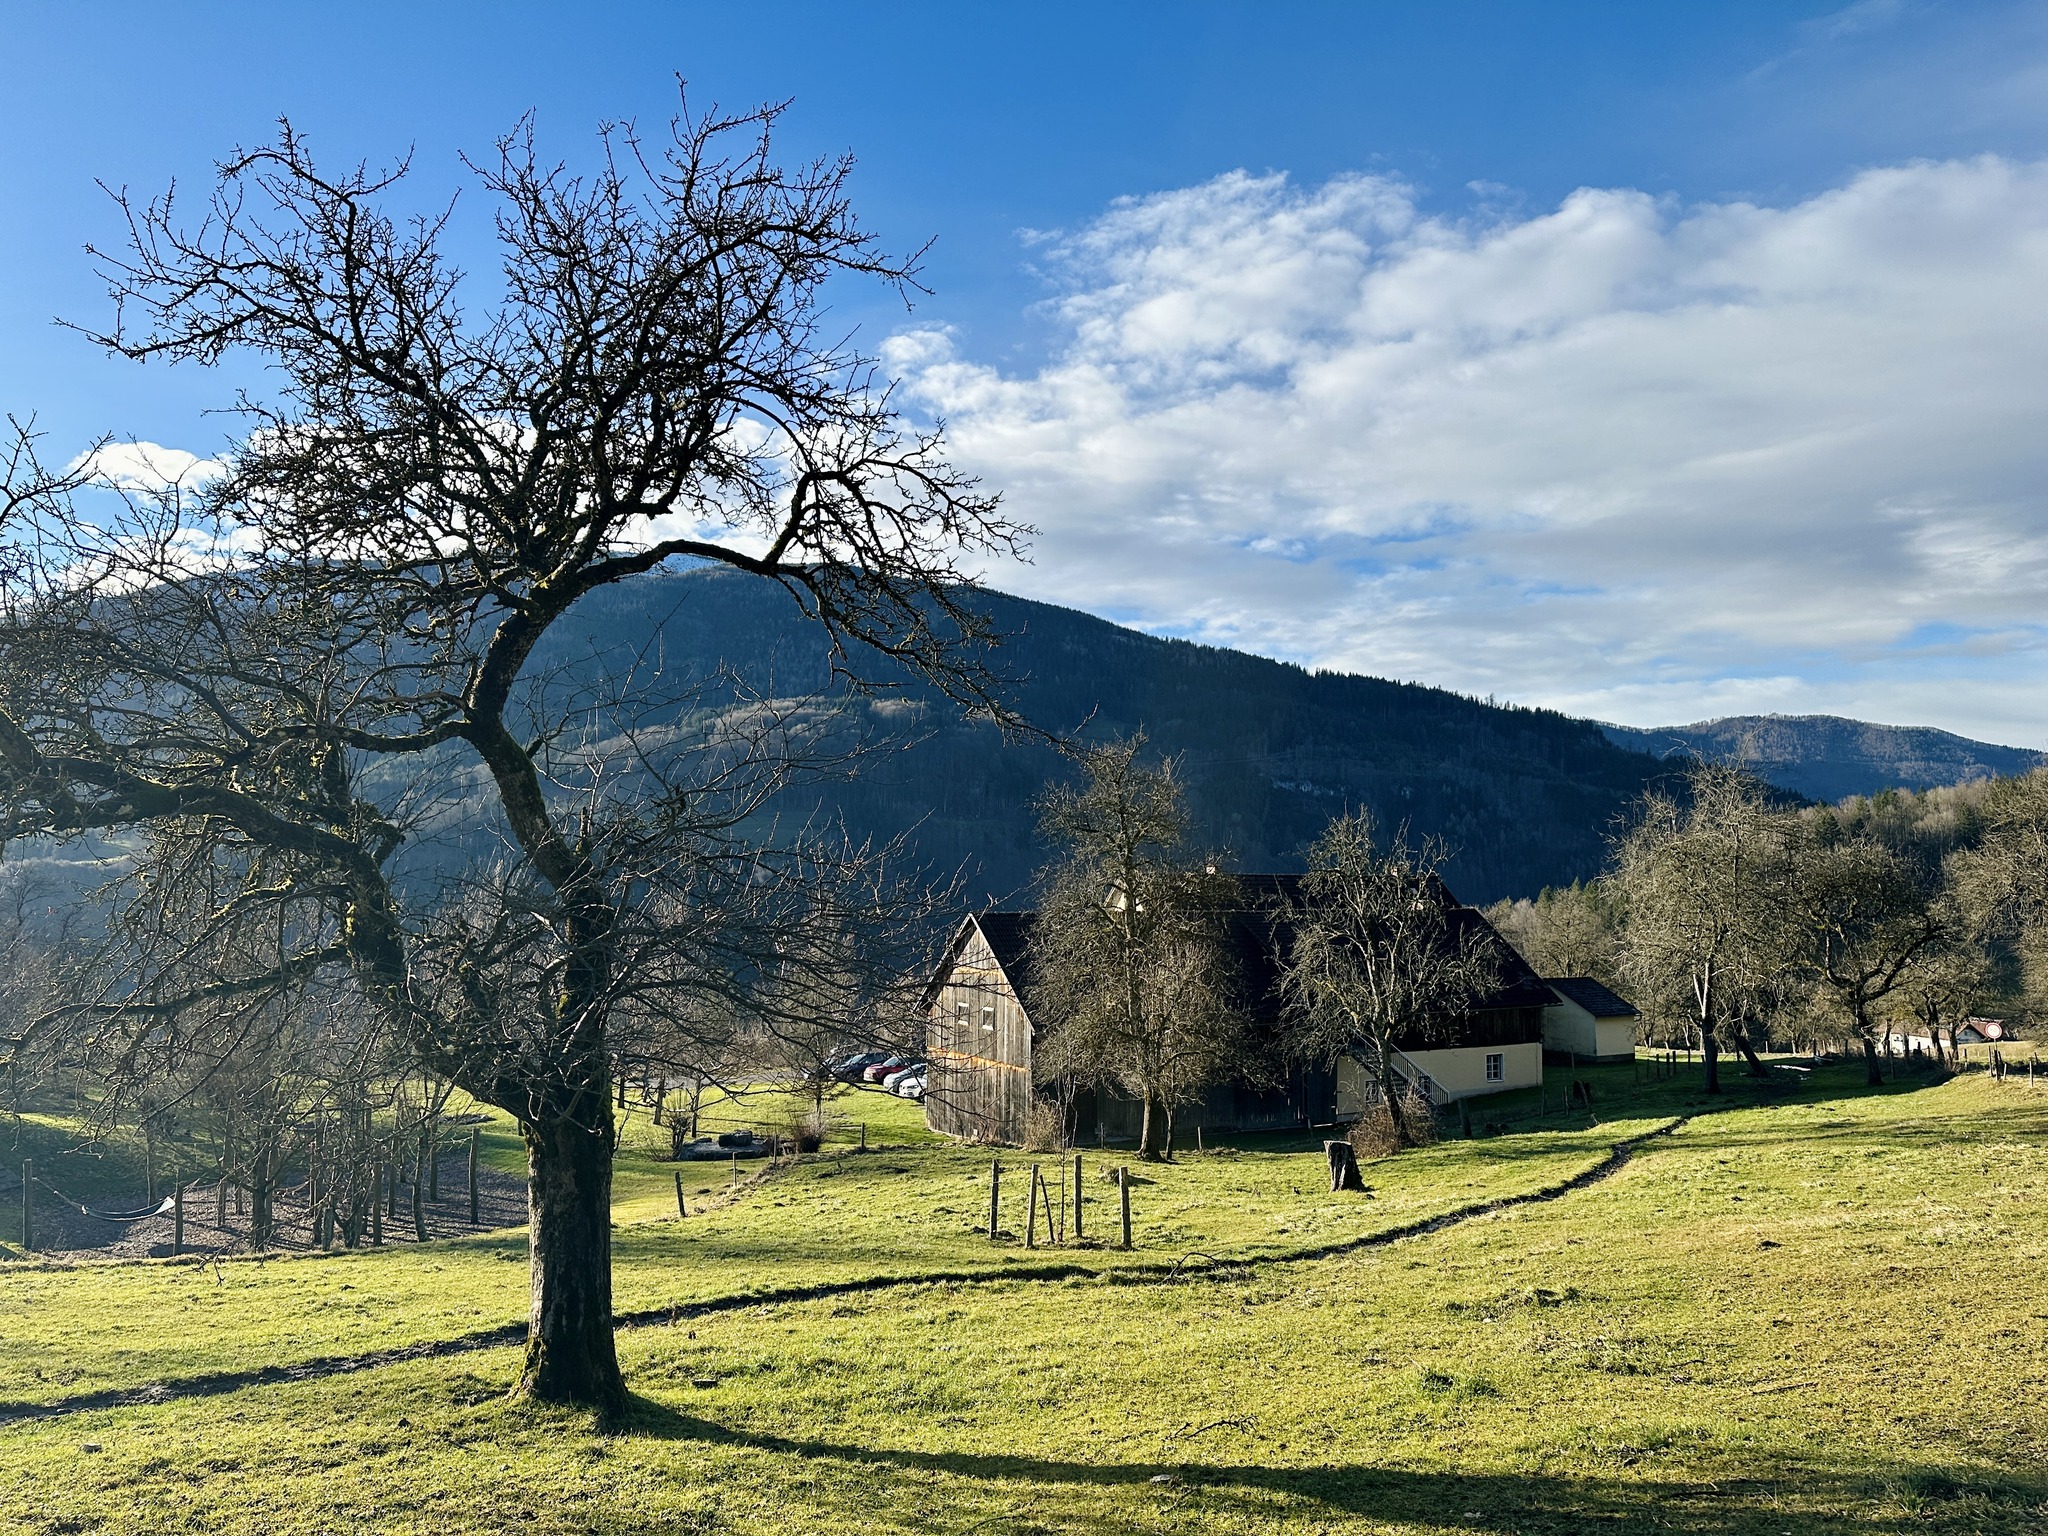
1344, 1172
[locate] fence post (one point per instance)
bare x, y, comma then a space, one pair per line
1031, 1210
1077, 1197
178, 1220
28, 1205
472, 1177
995, 1192
433, 1145
419, 1210
1123, 1187
863, 1135
679, 1194
376, 1205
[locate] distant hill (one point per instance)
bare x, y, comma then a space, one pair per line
1526, 797
1825, 757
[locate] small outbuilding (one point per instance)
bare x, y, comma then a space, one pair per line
1588, 1021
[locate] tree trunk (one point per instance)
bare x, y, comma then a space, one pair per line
1395, 1095
260, 1223
1873, 1069
1710, 1059
1150, 1130
1742, 1044
570, 1356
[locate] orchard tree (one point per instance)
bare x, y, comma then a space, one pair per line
444, 466
1865, 914
1702, 880
1130, 944
1375, 957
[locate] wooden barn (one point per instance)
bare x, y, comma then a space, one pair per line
982, 1030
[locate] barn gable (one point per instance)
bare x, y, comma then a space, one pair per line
979, 1032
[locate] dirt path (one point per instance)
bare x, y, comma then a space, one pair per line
215, 1383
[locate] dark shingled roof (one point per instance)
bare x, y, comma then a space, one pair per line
1009, 935
1592, 996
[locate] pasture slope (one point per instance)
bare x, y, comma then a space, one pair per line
1814, 1311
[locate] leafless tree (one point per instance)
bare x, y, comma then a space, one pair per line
1865, 914
438, 478
1376, 960
1703, 882
1135, 973
1567, 930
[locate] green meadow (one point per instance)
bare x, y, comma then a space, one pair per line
1808, 1308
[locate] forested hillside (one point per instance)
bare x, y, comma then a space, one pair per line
1825, 757
1527, 797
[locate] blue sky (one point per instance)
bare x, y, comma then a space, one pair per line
1359, 226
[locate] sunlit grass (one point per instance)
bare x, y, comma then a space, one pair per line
1808, 1316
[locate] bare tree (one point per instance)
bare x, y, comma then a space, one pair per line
1941, 983
1866, 914
1567, 930
1702, 880
1375, 961
439, 477
1130, 945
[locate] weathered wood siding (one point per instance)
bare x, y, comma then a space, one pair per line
979, 1046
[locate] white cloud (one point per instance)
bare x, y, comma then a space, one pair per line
1630, 458
148, 467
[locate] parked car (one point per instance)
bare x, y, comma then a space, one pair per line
882, 1069
889, 1082
849, 1069
911, 1085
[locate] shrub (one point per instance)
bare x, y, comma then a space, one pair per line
1376, 1135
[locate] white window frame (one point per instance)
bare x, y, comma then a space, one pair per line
1496, 1066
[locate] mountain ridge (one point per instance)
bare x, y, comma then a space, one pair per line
1830, 757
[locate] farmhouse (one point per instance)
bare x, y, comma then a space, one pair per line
982, 1029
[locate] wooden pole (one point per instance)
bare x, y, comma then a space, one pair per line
178, 1220
863, 1135
220, 1201
1123, 1189
472, 1178
1077, 1197
1031, 1211
679, 1194
433, 1144
377, 1205
28, 1205
419, 1210
995, 1195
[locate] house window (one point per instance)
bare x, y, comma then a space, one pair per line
988, 1018
1496, 1066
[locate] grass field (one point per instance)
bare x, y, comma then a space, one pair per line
1816, 1313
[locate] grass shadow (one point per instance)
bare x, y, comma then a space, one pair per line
1880, 1498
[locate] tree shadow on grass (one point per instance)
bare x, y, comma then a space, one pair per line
1880, 1498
